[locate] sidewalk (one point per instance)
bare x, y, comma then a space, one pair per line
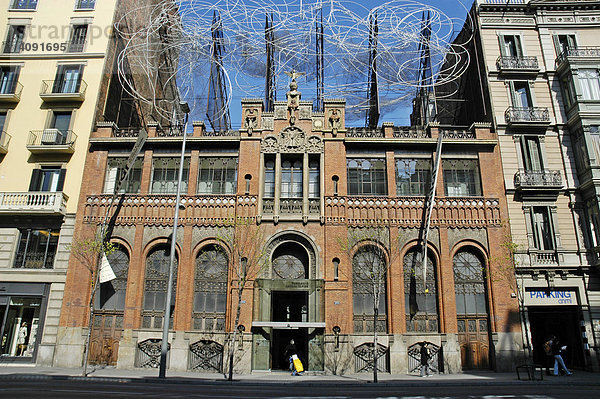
111, 374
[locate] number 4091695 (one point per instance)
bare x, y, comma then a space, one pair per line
43, 47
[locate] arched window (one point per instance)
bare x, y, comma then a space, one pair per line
112, 293
290, 262
210, 289
155, 286
369, 273
420, 297
469, 284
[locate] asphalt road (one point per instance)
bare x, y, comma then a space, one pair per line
116, 390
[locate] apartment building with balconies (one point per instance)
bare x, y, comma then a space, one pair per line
534, 77
52, 61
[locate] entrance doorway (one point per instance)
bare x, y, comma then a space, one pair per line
289, 306
562, 321
281, 340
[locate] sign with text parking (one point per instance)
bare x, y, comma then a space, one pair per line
544, 297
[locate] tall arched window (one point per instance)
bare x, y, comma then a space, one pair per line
210, 289
155, 286
420, 297
112, 293
369, 273
471, 309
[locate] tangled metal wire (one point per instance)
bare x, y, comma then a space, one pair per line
185, 28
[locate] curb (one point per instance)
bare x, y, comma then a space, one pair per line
217, 382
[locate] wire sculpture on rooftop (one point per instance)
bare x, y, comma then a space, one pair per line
222, 48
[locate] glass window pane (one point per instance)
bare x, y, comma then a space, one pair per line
366, 177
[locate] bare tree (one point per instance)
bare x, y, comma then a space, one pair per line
248, 257
371, 249
89, 253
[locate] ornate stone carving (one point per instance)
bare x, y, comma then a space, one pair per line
267, 122
269, 144
279, 112
304, 112
335, 120
292, 139
314, 145
251, 119
293, 96
318, 123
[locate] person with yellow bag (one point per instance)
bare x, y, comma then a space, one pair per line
298, 369
291, 352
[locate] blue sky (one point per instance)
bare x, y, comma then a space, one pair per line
454, 9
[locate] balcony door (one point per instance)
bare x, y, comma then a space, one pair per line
521, 95
8, 79
68, 79
532, 154
511, 46
47, 179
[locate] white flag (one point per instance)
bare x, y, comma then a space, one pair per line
106, 272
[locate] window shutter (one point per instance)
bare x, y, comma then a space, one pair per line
79, 76
502, 41
36, 177
518, 45
513, 95
61, 180
557, 45
58, 80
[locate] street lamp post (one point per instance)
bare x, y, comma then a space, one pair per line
166, 320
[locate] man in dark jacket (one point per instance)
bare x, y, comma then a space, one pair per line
556, 352
424, 360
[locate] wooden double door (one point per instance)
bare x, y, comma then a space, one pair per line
104, 341
474, 341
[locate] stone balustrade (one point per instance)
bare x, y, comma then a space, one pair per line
154, 209
455, 212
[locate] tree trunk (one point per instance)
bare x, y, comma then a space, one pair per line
88, 337
235, 329
376, 312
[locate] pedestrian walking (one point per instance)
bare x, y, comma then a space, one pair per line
424, 360
558, 360
548, 358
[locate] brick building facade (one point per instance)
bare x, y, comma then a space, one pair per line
308, 182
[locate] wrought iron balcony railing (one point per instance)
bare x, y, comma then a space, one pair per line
11, 92
518, 63
63, 90
75, 47
583, 52
538, 179
13, 46
525, 115
51, 140
41, 202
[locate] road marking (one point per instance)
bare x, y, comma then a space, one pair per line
103, 392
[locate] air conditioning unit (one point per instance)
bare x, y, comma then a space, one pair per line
52, 137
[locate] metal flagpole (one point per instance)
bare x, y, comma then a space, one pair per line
429, 209
165, 335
